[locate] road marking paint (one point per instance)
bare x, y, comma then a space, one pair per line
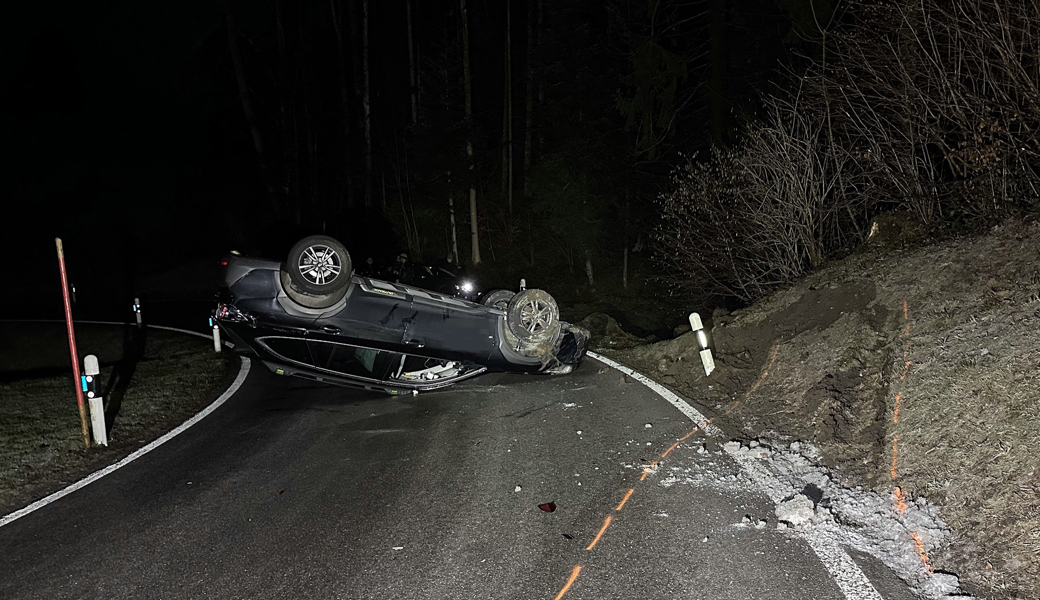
595, 540
919, 545
570, 582
669, 450
696, 429
850, 579
673, 399
207, 336
628, 495
237, 383
895, 456
647, 469
899, 500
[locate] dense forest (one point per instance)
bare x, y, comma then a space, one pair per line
705, 146
522, 136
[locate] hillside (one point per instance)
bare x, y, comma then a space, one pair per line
915, 369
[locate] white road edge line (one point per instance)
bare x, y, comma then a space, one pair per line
243, 371
148, 326
851, 580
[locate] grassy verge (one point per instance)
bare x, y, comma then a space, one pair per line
154, 382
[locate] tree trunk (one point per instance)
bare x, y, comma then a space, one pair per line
473, 225
540, 93
243, 94
509, 105
366, 105
451, 213
718, 105
290, 171
337, 25
411, 64
624, 269
356, 77
507, 116
529, 100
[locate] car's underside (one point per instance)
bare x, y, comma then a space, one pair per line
385, 336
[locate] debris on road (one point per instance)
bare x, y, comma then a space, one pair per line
796, 512
548, 506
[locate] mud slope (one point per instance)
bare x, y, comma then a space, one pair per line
917, 374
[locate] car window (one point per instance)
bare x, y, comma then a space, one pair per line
333, 357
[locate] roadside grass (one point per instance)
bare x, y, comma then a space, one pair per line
151, 390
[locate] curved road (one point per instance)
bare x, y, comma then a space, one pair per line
298, 490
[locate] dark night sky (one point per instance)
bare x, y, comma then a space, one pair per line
110, 118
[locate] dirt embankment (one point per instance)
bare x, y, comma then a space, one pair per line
917, 373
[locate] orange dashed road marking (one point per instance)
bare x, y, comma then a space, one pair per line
646, 470
919, 545
696, 429
895, 455
895, 413
653, 465
570, 582
900, 501
595, 540
625, 499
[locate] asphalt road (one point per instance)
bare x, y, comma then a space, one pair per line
298, 490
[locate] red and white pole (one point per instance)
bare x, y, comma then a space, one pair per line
72, 345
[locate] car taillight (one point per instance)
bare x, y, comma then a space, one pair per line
228, 312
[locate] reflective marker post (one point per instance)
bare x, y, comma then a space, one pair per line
137, 310
216, 334
702, 340
97, 403
72, 343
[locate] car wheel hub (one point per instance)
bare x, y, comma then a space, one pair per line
536, 316
320, 265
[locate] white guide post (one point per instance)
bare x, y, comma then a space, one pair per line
96, 402
702, 339
216, 334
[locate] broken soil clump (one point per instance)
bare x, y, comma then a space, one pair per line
917, 374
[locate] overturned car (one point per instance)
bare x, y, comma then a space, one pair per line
313, 317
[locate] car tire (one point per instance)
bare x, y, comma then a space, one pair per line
498, 298
310, 300
319, 265
533, 317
